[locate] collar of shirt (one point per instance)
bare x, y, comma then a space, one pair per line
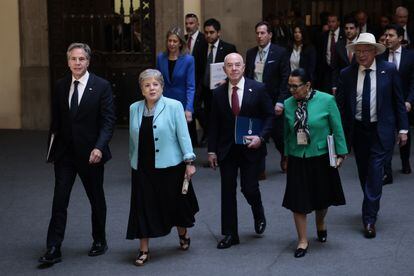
240, 90
83, 80
373, 67
398, 51
194, 36
215, 44
265, 49
336, 32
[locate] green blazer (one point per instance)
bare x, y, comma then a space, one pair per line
323, 119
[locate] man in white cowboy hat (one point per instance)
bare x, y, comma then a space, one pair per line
370, 99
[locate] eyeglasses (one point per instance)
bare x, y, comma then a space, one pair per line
294, 87
363, 52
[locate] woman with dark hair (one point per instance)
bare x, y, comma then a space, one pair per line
177, 68
301, 51
312, 184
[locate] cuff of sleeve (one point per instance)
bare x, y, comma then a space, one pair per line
403, 131
189, 157
280, 105
211, 153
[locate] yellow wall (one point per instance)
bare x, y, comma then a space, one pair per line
10, 116
193, 6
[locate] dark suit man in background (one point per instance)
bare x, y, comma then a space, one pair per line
239, 96
83, 121
401, 18
344, 56
269, 64
361, 18
327, 54
369, 97
196, 44
215, 52
404, 62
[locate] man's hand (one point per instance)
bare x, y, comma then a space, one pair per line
333, 91
339, 161
95, 157
212, 160
255, 141
188, 116
190, 170
402, 139
408, 106
278, 110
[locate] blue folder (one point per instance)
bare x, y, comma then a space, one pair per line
247, 126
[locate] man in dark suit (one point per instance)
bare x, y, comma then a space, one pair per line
404, 61
369, 97
361, 18
215, 52
345, 57
239, 96
401, 18
196, 44
327, 54
269, 64
83, 121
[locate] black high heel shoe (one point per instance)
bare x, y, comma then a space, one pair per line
301, 252
184, 242
322, 235
142, 258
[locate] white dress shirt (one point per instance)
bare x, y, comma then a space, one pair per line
81, 87
214, 50
240, 90
295, 57
397, 54
260, 60
193, 40
360, 86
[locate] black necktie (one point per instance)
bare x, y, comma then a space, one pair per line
209, 61
74, 100
366, 98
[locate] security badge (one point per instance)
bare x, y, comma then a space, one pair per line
259, 68
301, 137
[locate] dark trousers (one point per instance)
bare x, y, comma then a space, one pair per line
277, 137
192, 129
370, 157
66, 170
249, 184
404, 155
203, 110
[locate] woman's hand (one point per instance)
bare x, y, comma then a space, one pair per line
188, 116
339, 161
190, 170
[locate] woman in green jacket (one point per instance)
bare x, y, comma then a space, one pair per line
312, 184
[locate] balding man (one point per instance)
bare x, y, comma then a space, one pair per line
238, 99
370, 98
401, 18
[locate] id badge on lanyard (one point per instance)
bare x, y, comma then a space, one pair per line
301, 137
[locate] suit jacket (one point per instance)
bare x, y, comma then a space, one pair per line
391, 112
182, 85
323, 119
200, 45
307, 60
171, 137
342, 61
256, 103
93, 124
223, 49
406, 70
275, 73
323, 47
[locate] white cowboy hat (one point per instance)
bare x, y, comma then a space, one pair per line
366, 39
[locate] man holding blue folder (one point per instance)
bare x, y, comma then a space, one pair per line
241, 120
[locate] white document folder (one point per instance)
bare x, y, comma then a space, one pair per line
332, 152
216, 74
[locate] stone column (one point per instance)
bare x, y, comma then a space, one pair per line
35, 79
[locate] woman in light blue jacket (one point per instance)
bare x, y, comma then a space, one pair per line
161, 157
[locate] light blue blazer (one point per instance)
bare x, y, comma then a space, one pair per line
182, 85
171, 138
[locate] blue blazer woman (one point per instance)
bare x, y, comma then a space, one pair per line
171, 138
182, 85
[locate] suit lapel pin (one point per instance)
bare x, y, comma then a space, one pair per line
382, 72
250, 90
90, 88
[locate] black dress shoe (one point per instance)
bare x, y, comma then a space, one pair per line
228, 241
52, 256
387, 179
260, 225
322, 235
98, 248
369, 231
406, 168
301, 252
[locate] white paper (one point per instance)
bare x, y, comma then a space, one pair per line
332, 152
52, 139
217, 74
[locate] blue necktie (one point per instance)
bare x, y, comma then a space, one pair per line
74, 100
366, 98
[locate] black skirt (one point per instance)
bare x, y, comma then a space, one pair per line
312, 185
157, 203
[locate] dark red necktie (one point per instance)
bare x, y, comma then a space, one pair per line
333, 48
235, 101
189, 43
